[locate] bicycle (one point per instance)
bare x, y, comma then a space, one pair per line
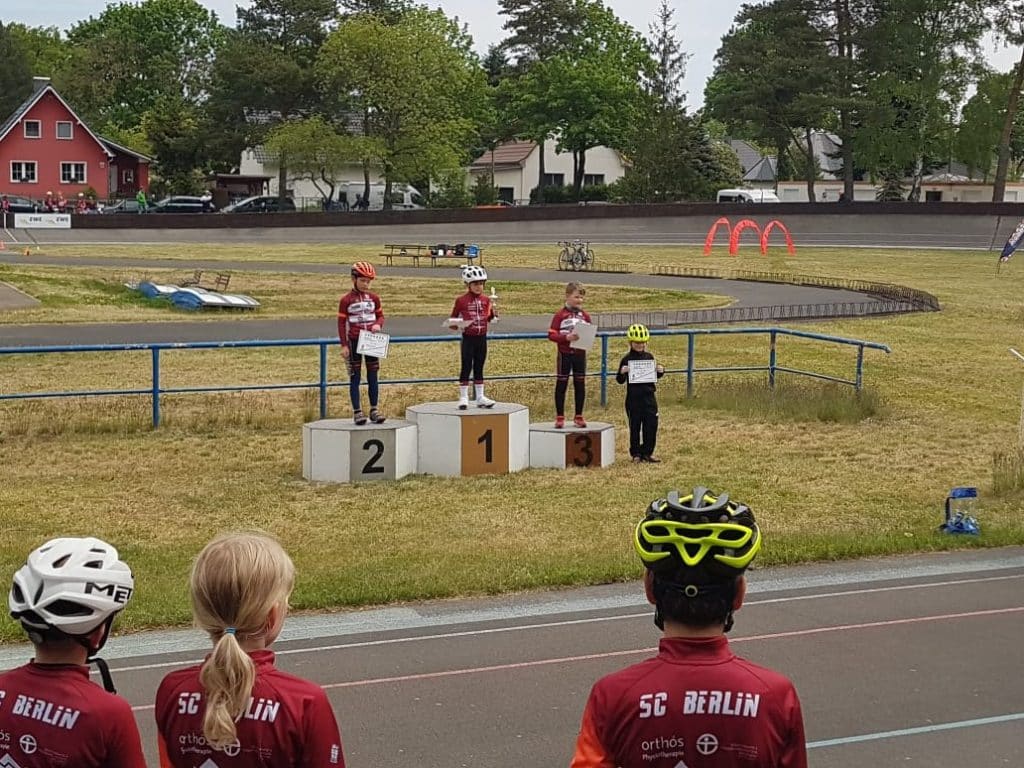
575, 255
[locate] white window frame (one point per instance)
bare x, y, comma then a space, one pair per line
85, 172
39, 128
24, 164
71, 130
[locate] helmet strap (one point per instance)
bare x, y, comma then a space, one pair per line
101, 665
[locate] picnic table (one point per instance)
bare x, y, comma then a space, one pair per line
467, 254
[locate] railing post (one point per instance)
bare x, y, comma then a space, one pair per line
771, 359
156, 386
323, 380
691, 341
604, 371
860, 367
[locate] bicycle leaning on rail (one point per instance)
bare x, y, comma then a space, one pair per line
575, 255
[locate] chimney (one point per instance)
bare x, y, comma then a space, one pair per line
38, 83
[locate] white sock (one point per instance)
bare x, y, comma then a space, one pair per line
479, 391
463, 392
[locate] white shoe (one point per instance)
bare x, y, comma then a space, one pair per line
463, 403
484, 402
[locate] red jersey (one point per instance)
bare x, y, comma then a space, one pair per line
53, 716
562, 324
694, 704
358, 311
477, 309
288, 723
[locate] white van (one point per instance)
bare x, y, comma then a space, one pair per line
747, 196
404, 197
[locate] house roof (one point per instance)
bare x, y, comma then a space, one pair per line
42, 87
748, 154
113, 145
763, 170
507, 154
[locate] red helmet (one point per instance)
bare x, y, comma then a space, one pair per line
364, 269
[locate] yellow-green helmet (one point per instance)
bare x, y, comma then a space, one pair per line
701, 531
638, 333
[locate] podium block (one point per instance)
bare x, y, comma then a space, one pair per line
477, 441
339, 451
593, 446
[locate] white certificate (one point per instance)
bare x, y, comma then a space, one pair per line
373, 344
458, 322
643, 371
587, 333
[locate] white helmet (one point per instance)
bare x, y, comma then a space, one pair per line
71, 585
471, 273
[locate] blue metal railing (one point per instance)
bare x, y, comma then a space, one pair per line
322, 385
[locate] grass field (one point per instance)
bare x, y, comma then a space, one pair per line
829, 475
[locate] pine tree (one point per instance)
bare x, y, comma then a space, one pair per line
15, 74
666, 84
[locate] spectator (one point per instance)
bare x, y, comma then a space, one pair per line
140, 198
62, 204
5, 205
48, 204
81, 206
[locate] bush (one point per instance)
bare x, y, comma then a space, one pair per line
452, 191
484, 191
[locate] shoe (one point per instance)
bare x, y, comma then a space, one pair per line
359, 418
559, 422
484, 402
637, 460
463, 403
579, 421
377, 417
651, 460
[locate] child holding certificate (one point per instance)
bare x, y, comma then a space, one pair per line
360, 310
641, 371
570, 360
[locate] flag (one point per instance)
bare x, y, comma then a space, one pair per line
1016, 240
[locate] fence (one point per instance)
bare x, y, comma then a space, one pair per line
155, 391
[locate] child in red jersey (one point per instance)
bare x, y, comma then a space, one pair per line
360, 310
569, 361
478, 309
696, 549
236, 710
65, 598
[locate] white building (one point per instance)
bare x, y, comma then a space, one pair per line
256, 161
516, 166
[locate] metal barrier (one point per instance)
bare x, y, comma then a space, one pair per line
322, 385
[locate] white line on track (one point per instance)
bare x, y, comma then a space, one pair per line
570, 622
916, 731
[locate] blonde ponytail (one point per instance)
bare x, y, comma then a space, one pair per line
237, 580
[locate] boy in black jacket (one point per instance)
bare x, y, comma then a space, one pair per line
641, 404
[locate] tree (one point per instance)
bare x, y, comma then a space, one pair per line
423, 103
388, 10
264, 74
159, 48
918, 59
313, 150
45, 47
982, 123
770, 81
667, 76
1009, 24
15, 75
587, 92
174, 128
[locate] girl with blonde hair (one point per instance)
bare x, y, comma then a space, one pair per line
237, 704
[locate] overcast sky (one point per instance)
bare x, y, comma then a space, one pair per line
700, 25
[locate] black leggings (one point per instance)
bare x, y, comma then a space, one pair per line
355, 370
642, 413
474, 355
575, 364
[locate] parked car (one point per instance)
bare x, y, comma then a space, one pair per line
19, 204
747, 196
183, 204
261, 204
122, 206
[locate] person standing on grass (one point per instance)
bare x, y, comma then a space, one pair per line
641, 403
568, 360
248, 713
66, 598
361, 310
695, 703
475, 307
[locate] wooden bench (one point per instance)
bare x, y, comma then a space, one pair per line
400, 251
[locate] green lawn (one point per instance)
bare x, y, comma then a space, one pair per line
841, 480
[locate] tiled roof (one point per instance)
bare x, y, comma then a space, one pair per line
115, 147
42, 86
764, 170
509, 153
747, 153
24, 107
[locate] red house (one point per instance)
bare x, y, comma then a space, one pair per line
46, 148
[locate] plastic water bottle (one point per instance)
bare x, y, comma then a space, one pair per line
961, 508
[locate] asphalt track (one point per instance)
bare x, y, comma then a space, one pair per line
898, 661
203, 328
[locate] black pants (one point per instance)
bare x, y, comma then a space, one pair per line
474, 355
355, 374
642, 412
574, 364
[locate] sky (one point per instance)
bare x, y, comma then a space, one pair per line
700, 25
